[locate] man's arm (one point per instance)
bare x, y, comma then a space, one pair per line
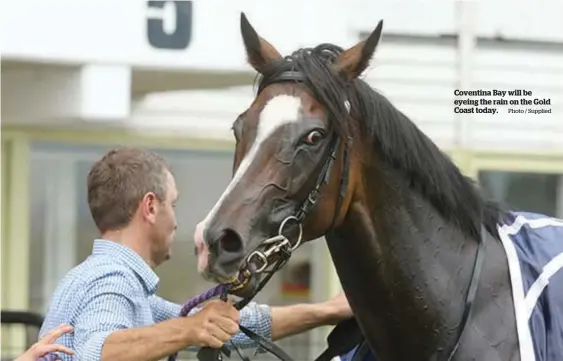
275, 323
254, 316
292, 320
105, 331
147, 343
272, 323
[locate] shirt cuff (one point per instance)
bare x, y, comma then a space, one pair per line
257, 318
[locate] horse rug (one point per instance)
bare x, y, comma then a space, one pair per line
534, 248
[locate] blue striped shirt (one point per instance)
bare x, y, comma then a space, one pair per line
114, 289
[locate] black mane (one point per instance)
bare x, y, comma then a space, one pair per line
395, 138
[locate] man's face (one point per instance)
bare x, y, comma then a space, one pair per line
165, 223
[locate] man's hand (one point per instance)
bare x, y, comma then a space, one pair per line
216, 323
45, 345
338, 309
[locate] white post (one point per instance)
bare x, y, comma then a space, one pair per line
15, 238
60, 224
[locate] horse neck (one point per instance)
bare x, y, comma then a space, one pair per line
404, 269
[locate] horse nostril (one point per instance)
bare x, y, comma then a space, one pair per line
230, 241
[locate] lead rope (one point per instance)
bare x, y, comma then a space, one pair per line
211, 354
222, 291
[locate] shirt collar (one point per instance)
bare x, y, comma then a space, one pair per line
130, 258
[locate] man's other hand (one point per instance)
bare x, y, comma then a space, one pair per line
216, 323
338, 309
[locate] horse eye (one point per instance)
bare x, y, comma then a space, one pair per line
314, 137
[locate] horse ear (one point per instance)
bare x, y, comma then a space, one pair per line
259, 52
352, 62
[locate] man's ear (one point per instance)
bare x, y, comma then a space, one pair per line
259, 52
149, 206
352, 62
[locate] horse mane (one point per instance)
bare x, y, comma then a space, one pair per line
397, 141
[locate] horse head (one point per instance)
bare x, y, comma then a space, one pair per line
295, 166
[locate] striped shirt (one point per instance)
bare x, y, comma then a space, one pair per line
114, 289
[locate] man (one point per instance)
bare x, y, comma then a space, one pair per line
110, 299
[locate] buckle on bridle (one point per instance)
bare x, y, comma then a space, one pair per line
313, 196
279, 243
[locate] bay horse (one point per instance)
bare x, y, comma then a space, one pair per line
417, 248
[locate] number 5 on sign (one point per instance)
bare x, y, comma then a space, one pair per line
169, 24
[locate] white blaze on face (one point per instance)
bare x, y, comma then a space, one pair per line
280, 110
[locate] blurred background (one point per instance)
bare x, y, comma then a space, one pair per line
80, 77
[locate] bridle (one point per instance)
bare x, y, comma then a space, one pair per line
280, 245
279, 249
